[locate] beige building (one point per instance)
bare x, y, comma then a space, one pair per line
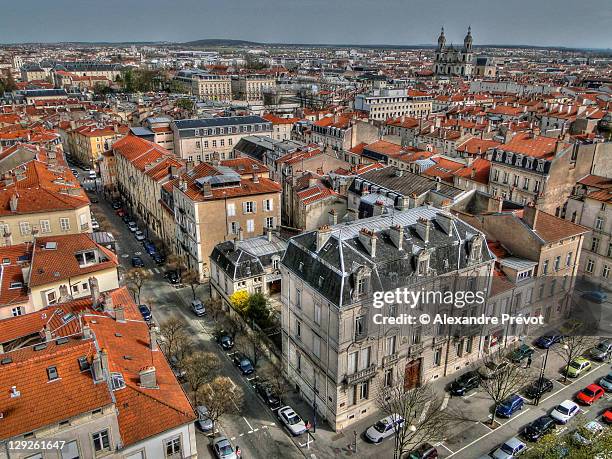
382, 104
41, 199
206, 85
202, 140
251, 88
334, 351
213, 203
87, 143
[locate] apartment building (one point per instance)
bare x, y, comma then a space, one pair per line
143, 168
206, 85
162, 131
281, 127
89, 372
252, 265
341, 133
87, 143
39, 199
202, 140
212, 203
590, 205
382, 104
251, 88
333, 351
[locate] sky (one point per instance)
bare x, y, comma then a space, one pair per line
572, 23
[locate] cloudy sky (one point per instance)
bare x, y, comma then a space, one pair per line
576, 23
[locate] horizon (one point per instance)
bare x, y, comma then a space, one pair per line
336, 22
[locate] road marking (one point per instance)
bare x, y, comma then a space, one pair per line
241, 435
156, 270
125, 255
443, 446
255, 430
233, 438
248, 424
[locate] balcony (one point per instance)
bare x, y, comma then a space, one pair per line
389, 360
415, 350
361, 375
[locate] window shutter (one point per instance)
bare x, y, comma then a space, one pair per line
244, 207
254, 206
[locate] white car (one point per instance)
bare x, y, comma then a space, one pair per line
510, 449
606, 382
95, 225
139, 235
565, 411
384, 428
292, 420
92, 174
589, 432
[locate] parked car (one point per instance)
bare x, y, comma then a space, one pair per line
509, 449
145, 312
606, 382
243, 363
291, 420
510, 406
565, 411
93, 198
93, 175
521, 353
225, 341
538, 428
602, 351
267, 394
172, 276
176, 369
596, 296
204, 423
158, 258
126, 218
607, 416
116, 205
198, 308
577, 367
223, 448
490, 369
139, 235
464, 383
137, 262
132, 226
546, 341
425, 451
149, 247
589, 432
590, 394
384, 428
95, 225
538, 388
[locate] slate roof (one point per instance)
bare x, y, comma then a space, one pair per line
330, 270
218, 122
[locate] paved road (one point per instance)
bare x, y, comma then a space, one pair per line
252, 426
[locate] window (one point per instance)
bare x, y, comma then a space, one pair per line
24, 228
599, 223
605, 272
361, 283
18, 311
589, 266
51, 297
437, 358
568, 259
275, 263
235, 226
230, 142
316, 345
101, 441
250, 226
317, 313
557, 263
64, 224
536, 186
173, 447
86, 258
214, 144
52, 373
249, 207
269, 222
298, 299
516, 180
222, 142
231, 209
525, 183
268, 205
70, 450
469, 345
545, 267
505, 180
206, 144
610, 249
496, 175
298, 328
298, 358
363, 390
390, 345
459, 348
198, 144
594, 244
45, 226
359, 326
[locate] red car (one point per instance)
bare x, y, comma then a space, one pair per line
590, 394
120, 212
607, 416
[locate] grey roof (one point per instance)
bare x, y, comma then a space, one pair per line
331, 269
405, 185
141, 131
256, 146
518, 264
44, 92
220, 121
249, 257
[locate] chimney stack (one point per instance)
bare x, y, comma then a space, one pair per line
119, 314
95, 291
368, 239
333, 217
396, 233
255, 177
323, 234
530, 216
422, 228
97, 367
108, 303
148, 378
153, 338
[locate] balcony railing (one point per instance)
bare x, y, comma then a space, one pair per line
389, 360
361, 375
415, 350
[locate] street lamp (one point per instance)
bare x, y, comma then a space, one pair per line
565, 370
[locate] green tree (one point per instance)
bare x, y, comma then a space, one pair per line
184, 103
258, 310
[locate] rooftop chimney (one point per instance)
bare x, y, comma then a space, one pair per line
255, 177
14, 201
97, 367
108, 303
119, 314
333, 217
153, 338
422, 228
530, 216
396, 233
87, 334
368, 239
240, 234
148, 378
323, 234
14, 392
95, 291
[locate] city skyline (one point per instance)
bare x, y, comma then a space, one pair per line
413, 24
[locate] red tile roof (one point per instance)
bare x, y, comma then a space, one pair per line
11, 272
478, 171
444, 169
536, 146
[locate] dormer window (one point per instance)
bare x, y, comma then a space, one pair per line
498, 156
476, 248
540, 166
117, 381
519, 160
86, 258
361, 282
509, 158
529, 164
423, 263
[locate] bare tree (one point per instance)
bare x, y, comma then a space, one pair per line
191, 278
214, 306
175, 262
135, 279
276, 379
200, 368
574, 344
501, 379
425, 420
251, 345
220, 396
176, 342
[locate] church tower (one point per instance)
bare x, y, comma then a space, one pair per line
441, 40
451, 61
467, 41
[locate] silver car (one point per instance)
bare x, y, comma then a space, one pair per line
292, 420
510, 449
602, 351
204, 423
606, 382
223, 448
